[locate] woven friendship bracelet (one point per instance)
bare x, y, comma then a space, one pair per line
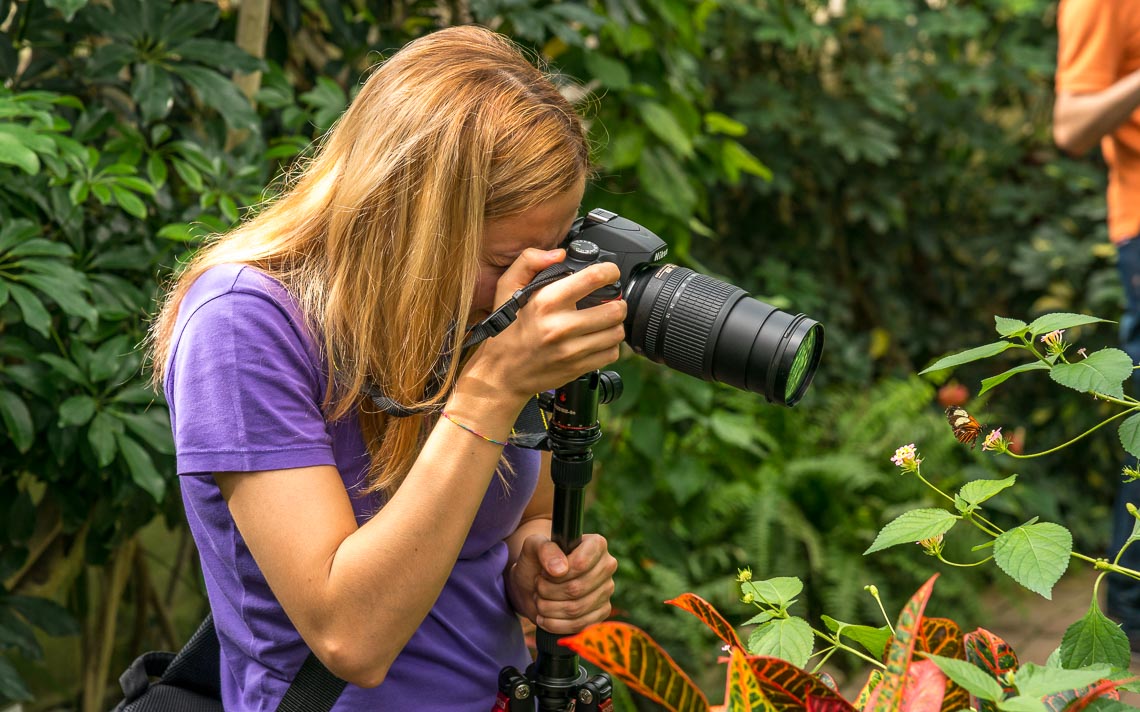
476, 433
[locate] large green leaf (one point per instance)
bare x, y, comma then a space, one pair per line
101, 436
913, 526
667, 182
875, 640
995, 381
1129, 433
76, 410
1053, 322
1095, 640
789, 639
1009, 327
1102, 372
217, 54
44, 614
780, 591
662, 123
220, 93
12, 686
975, 680
15, 153
1037, 681
974, 493
153, 90
141, 466
1035, 555
67, 8
17, 420
610, 72
975, 354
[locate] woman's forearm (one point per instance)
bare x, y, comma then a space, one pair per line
358, 594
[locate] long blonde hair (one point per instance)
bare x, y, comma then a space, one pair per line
379, 237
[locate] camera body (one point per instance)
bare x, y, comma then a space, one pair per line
693, 323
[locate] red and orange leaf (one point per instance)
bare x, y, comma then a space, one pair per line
990, 653
816, 704
742, 692
789, 687
629, 653
708, 615
1077, 700
925, 689
889, 695
869, 688
942, 636
828, 680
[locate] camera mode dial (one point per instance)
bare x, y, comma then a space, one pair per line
582, 251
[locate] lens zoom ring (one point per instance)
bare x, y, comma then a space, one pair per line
660, 304
692, 321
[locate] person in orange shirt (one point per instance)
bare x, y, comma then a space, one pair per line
1097, 97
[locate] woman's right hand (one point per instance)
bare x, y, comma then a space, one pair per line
551, 342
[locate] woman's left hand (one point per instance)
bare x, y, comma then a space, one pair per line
563, 593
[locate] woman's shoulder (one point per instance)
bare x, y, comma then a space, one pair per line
225, 279
240, 299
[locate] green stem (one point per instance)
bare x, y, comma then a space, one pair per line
840, 646
1087, 432
1106, 567
978, 521
918, 474
963, 566
823, 661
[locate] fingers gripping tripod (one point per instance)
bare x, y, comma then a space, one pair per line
555, 680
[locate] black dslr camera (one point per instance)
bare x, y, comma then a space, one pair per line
693, 323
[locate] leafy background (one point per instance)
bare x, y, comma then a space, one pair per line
883, 166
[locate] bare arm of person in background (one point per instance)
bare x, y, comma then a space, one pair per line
1081, 120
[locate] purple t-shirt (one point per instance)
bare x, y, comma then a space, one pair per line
245, 387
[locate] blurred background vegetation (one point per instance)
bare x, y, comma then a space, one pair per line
884, 166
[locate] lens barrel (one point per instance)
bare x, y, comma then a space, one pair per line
713, 330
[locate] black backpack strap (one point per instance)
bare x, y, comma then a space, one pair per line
314, 689
135, 680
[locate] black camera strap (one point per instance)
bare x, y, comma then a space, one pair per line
506, 314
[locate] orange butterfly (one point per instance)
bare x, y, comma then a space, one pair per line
966, 428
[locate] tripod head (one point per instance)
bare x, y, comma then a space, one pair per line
556, 681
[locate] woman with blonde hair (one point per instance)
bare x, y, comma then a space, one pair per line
399, 550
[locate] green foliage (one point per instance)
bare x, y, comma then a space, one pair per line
113, 156
1034, 555
1095, 639
908, 673
912, 526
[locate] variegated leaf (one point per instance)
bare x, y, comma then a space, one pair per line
992, 654
789, 687
742, 691
869, 688
889, 695
942, 636
708, 615
629, 653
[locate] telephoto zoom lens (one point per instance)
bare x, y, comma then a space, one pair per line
713, 330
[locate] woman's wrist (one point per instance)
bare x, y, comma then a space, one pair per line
482, 410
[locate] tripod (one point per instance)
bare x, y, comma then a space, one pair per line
555, 680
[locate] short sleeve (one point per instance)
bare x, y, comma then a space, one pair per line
1090, 45
244, 391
